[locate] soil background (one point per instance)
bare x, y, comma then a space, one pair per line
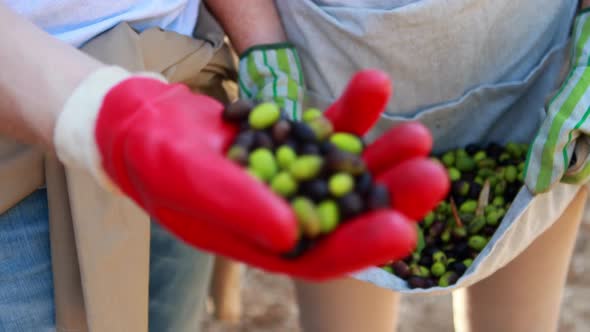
268, 301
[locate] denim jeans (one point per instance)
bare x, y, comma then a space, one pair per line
179, 275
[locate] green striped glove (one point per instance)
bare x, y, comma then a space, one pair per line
273, 73
560, 150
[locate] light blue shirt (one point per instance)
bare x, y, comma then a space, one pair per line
78, 21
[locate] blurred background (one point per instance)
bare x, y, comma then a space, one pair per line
268, 302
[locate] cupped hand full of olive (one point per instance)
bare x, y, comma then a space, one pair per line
355, 204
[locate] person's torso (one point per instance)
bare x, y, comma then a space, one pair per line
435, 51
78, 21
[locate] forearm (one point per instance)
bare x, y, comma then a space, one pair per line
248, 23
585, 4
38, 74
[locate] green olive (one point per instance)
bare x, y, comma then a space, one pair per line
263, 162
306, 167
264, 115
448, 159
465, 164
347, 142
468, 206
284, 184
438, 269
477, 242
454, 174
309, 219
286, 156
329, 216
310, 114
341, 184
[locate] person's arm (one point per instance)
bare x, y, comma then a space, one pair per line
585, 4
248, 23
38, 74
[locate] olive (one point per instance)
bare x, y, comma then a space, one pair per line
448, 279
448, 159
364, 183
430, 251
310, 114
238, 111
460, 188
454, 174
479, 156
329, 216
347, 142
428, 219
316, 189
350, 205
264, 115
426, 260
417, 282
321, 127
459, 267
246, 139
437, 228
378, 198
342, 161
292, 143
326, 147
438, 269
401, 269
263, 140
477, 242
280, 131
460, 250
238, 154
309, 149
303, 132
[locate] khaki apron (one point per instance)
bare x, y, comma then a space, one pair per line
99, 242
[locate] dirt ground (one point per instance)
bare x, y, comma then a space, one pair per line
269, 303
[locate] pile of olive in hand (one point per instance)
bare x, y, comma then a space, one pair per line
320, 172
485, 181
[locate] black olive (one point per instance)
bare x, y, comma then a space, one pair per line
317, 189
303, 133
472, 149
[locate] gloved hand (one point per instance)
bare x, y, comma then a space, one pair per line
398, 159
273, 73
560, 150
164, 147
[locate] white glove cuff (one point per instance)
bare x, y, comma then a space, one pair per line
74, 134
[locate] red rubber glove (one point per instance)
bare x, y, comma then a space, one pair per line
163, 147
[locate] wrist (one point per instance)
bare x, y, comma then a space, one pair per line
74, 136
267, 47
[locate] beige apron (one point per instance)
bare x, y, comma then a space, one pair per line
100, 243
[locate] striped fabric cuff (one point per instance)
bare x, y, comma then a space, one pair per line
581, 37
567, 115
273, 73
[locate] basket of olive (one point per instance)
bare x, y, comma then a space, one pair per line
484, 184
488, 218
